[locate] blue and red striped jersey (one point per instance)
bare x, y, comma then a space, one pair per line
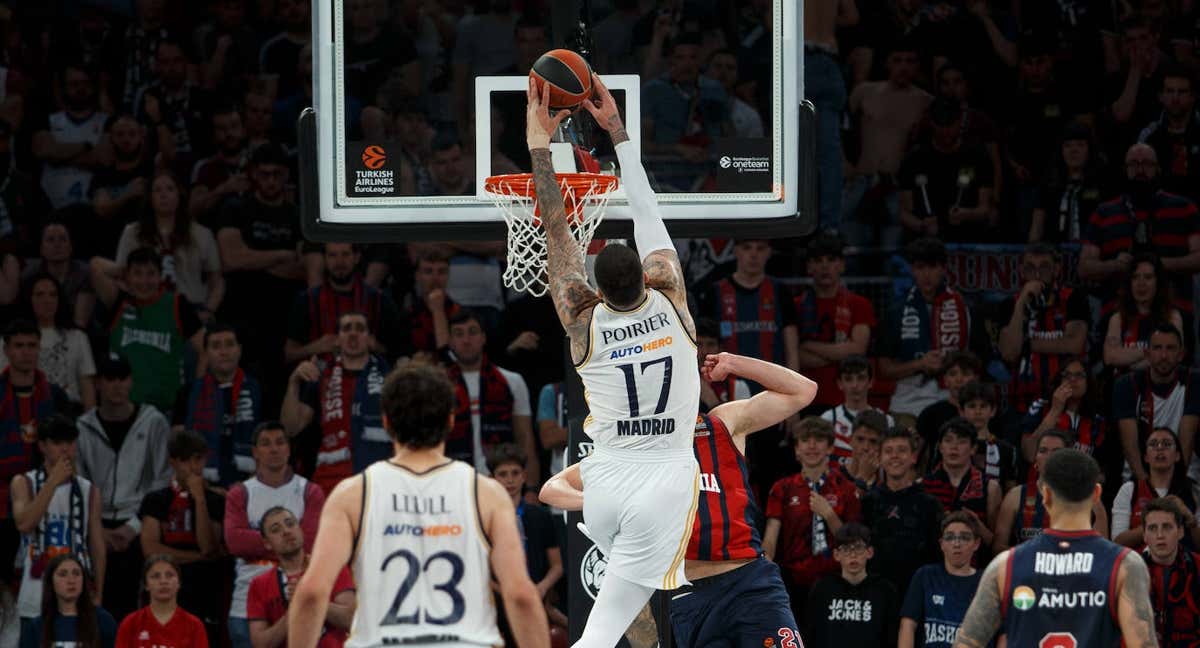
727, 518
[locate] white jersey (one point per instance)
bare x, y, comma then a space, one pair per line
422, 559
640, 377
64, 184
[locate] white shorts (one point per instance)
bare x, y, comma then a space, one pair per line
639, 508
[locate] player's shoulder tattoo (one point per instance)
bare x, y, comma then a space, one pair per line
984, 616
1137, 621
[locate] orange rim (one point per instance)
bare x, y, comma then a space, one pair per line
521, 184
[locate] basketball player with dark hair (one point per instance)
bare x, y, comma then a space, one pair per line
633, 344
424, 534
737, 596
1068, 586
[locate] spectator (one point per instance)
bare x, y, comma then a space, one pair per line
1174, 134
743, 116
191, 262
543, 558
1073, 406
29, 397
426, 307
259, 240
979, 129
341, 393
483, 44
286, 110
227, 48
67, 142
755, 311
313, 324
552, 426
530, 340
449, 174
958, 369
1048, 325
887, 112
57, 512
493, 404
946, 189
834, 323
1167, 477
937, 599
1174, 575
175, 107
272, 590
223, 406
805, 510
960, 486
902, 517
1070, 188
55, 257
853, 607
123, 450
712, 394
277, 58
223, 174
1143, 219
274, 484
374, 52
826, 88
855, 377
1023, 514
474, 280
135, 52
22, 203
1164, 395
150, 326
65, 355
257, 115
406, 123
866, 435
1132, 90
1144, 301
163, 622
183, 521
119, 191
682, 114
68, 615
931, 320
996, 457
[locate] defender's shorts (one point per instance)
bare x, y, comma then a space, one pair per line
744, 608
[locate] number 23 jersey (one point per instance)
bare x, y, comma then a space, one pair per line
640, 377
422, 568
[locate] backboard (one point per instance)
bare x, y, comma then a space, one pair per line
413, 110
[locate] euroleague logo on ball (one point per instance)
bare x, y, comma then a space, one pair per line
374, 157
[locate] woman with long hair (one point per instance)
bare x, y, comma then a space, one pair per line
69, 617
1145, 300
1166, 477
1072, 189
191, 261
1073, 406
66, 354
162, 623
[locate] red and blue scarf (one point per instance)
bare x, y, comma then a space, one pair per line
495, 411
231, 461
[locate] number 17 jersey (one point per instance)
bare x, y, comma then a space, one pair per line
422, 569
640, 377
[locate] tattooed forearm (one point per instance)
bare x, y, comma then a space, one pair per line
616, 130
1133, 608
643, 632
983, 617
564, 263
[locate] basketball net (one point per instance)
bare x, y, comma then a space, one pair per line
585, 197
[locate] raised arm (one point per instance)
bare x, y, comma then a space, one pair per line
785, 392
1134, 613
564, 263
983, 617
564, 490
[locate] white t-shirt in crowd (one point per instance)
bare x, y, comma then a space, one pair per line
65, 357
521, 407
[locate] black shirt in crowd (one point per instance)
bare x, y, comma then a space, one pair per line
940, 180
840, 614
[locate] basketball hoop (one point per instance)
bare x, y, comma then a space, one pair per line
585, 196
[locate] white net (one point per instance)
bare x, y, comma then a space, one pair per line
585, 196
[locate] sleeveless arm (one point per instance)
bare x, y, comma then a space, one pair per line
331, 552
1134, 613
564, 490
787, 392
983, 618
521, 601
1005, 519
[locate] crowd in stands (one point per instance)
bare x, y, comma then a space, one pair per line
184, 378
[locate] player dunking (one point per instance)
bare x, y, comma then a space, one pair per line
424, 535
1069, 586
633, 344
737, 597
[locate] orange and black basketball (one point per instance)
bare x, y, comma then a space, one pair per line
569, 76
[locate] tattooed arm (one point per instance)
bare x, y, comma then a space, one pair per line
569, 289
1134, 614
983, 617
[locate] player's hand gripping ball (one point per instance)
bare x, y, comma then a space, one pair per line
569, 77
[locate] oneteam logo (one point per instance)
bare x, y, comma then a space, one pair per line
374, 157
1023, 598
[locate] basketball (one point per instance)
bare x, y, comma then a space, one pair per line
569, 76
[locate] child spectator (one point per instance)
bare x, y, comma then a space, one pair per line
855, 378
960, 486
853, 607
995, 457
162, 623
862, 467
68, 615
958, 369
542, 554
938, 597
1073, 405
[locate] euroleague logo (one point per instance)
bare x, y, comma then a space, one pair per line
374, 157
591, 571
725, 161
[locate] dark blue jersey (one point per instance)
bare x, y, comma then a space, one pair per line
1061, 591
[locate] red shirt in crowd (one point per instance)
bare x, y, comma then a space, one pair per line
788, 502
266, 602
142, 630
836, 318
